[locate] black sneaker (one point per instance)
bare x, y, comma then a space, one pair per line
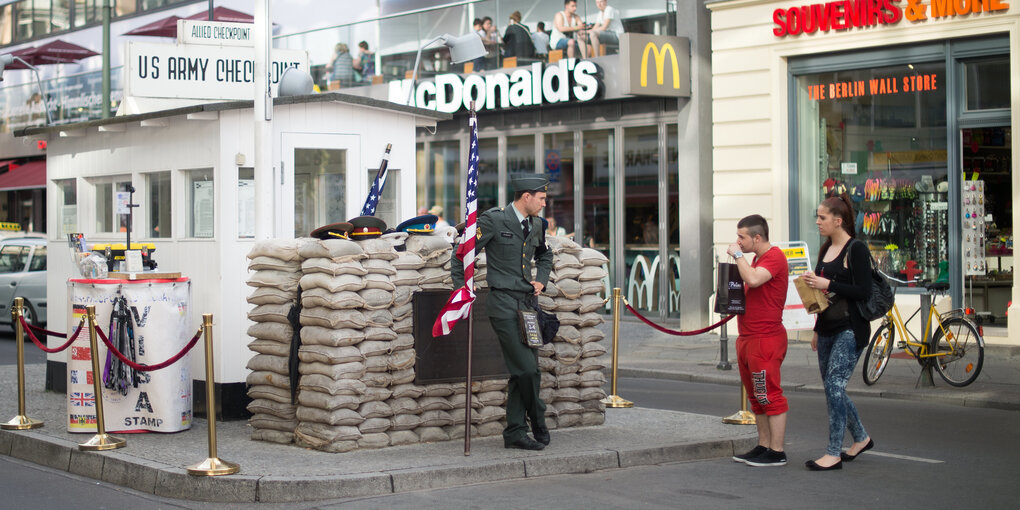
756, 451
768, 459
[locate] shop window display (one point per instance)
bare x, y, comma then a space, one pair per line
879, 134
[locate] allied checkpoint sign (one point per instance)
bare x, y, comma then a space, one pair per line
795, 316
201, 71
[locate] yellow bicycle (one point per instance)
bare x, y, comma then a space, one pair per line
951, 342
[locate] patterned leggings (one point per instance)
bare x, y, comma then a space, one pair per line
837, 357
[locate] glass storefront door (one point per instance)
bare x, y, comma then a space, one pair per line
641, 217
443, 179
987, 220
558, 164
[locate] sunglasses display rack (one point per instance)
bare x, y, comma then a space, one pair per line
973, 221
932, 244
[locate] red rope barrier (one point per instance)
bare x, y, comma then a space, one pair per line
42, 346
673, 332
44, 331
141, 367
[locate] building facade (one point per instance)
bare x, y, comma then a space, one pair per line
906, 106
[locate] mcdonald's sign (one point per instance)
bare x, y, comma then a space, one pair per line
655, 65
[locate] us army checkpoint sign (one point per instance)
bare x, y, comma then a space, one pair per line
199, 71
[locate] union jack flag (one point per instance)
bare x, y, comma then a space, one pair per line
80, 399
459, 304
377, 186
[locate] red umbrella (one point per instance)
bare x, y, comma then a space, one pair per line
59, 51
56, 51
166, 27
224, 14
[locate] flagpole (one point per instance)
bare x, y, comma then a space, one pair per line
470, 345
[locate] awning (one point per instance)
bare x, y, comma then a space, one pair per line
31, 175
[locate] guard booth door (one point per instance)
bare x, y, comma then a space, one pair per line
318, 181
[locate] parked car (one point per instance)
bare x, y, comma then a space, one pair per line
23, 274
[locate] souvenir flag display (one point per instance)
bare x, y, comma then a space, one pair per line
459, 304
377, 185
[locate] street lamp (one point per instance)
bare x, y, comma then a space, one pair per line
462, 49
6, 60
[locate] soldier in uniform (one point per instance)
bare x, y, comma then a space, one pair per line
512, 237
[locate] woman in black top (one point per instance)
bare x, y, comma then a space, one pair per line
841, 333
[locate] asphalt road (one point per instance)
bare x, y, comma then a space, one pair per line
927, 456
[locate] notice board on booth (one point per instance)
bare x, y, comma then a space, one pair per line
443, 359
795, 316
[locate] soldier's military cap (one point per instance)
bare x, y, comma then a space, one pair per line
424, 224
536, 182
333, 231
366, 227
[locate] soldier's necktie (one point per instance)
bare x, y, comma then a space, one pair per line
525, 225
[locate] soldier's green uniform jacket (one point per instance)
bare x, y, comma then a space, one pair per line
508, 255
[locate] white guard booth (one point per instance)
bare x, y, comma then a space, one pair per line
192, 169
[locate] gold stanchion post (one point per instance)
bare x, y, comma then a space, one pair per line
20, 422
615, 400
212, 466
102, 440
743, 416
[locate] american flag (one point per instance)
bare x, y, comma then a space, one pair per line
459, 304
377, 186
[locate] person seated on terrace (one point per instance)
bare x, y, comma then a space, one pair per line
569, 31
517, 40
607, 27
540, 38
341, 67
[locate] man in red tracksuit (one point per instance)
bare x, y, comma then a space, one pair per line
761, 345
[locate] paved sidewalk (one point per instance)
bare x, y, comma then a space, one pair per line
155, 463
645, 352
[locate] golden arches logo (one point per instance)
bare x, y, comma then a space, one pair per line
660, 62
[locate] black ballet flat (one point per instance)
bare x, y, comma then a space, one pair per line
815, 467
844, 456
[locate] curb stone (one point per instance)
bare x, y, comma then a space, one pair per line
172, 482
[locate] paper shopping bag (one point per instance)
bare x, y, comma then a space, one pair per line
729, 290
814, 299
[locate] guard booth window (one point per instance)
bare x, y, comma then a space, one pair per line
201, 203
107, 219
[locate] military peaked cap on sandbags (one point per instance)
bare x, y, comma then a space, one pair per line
529, 182
333, 231
424, 224
367, 227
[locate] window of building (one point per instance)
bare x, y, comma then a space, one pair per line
599, 163
320, 188
67, 205
987, 83
201, 203
558, 164
87, 11
246, 202
107, 219
488, 173
879, 134
444, 178
159, 223
6, 24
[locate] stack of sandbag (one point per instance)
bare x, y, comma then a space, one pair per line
572, 365
276, 269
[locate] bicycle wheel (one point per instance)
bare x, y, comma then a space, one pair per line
964, 351
879, 350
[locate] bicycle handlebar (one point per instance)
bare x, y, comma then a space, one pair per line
931, 286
